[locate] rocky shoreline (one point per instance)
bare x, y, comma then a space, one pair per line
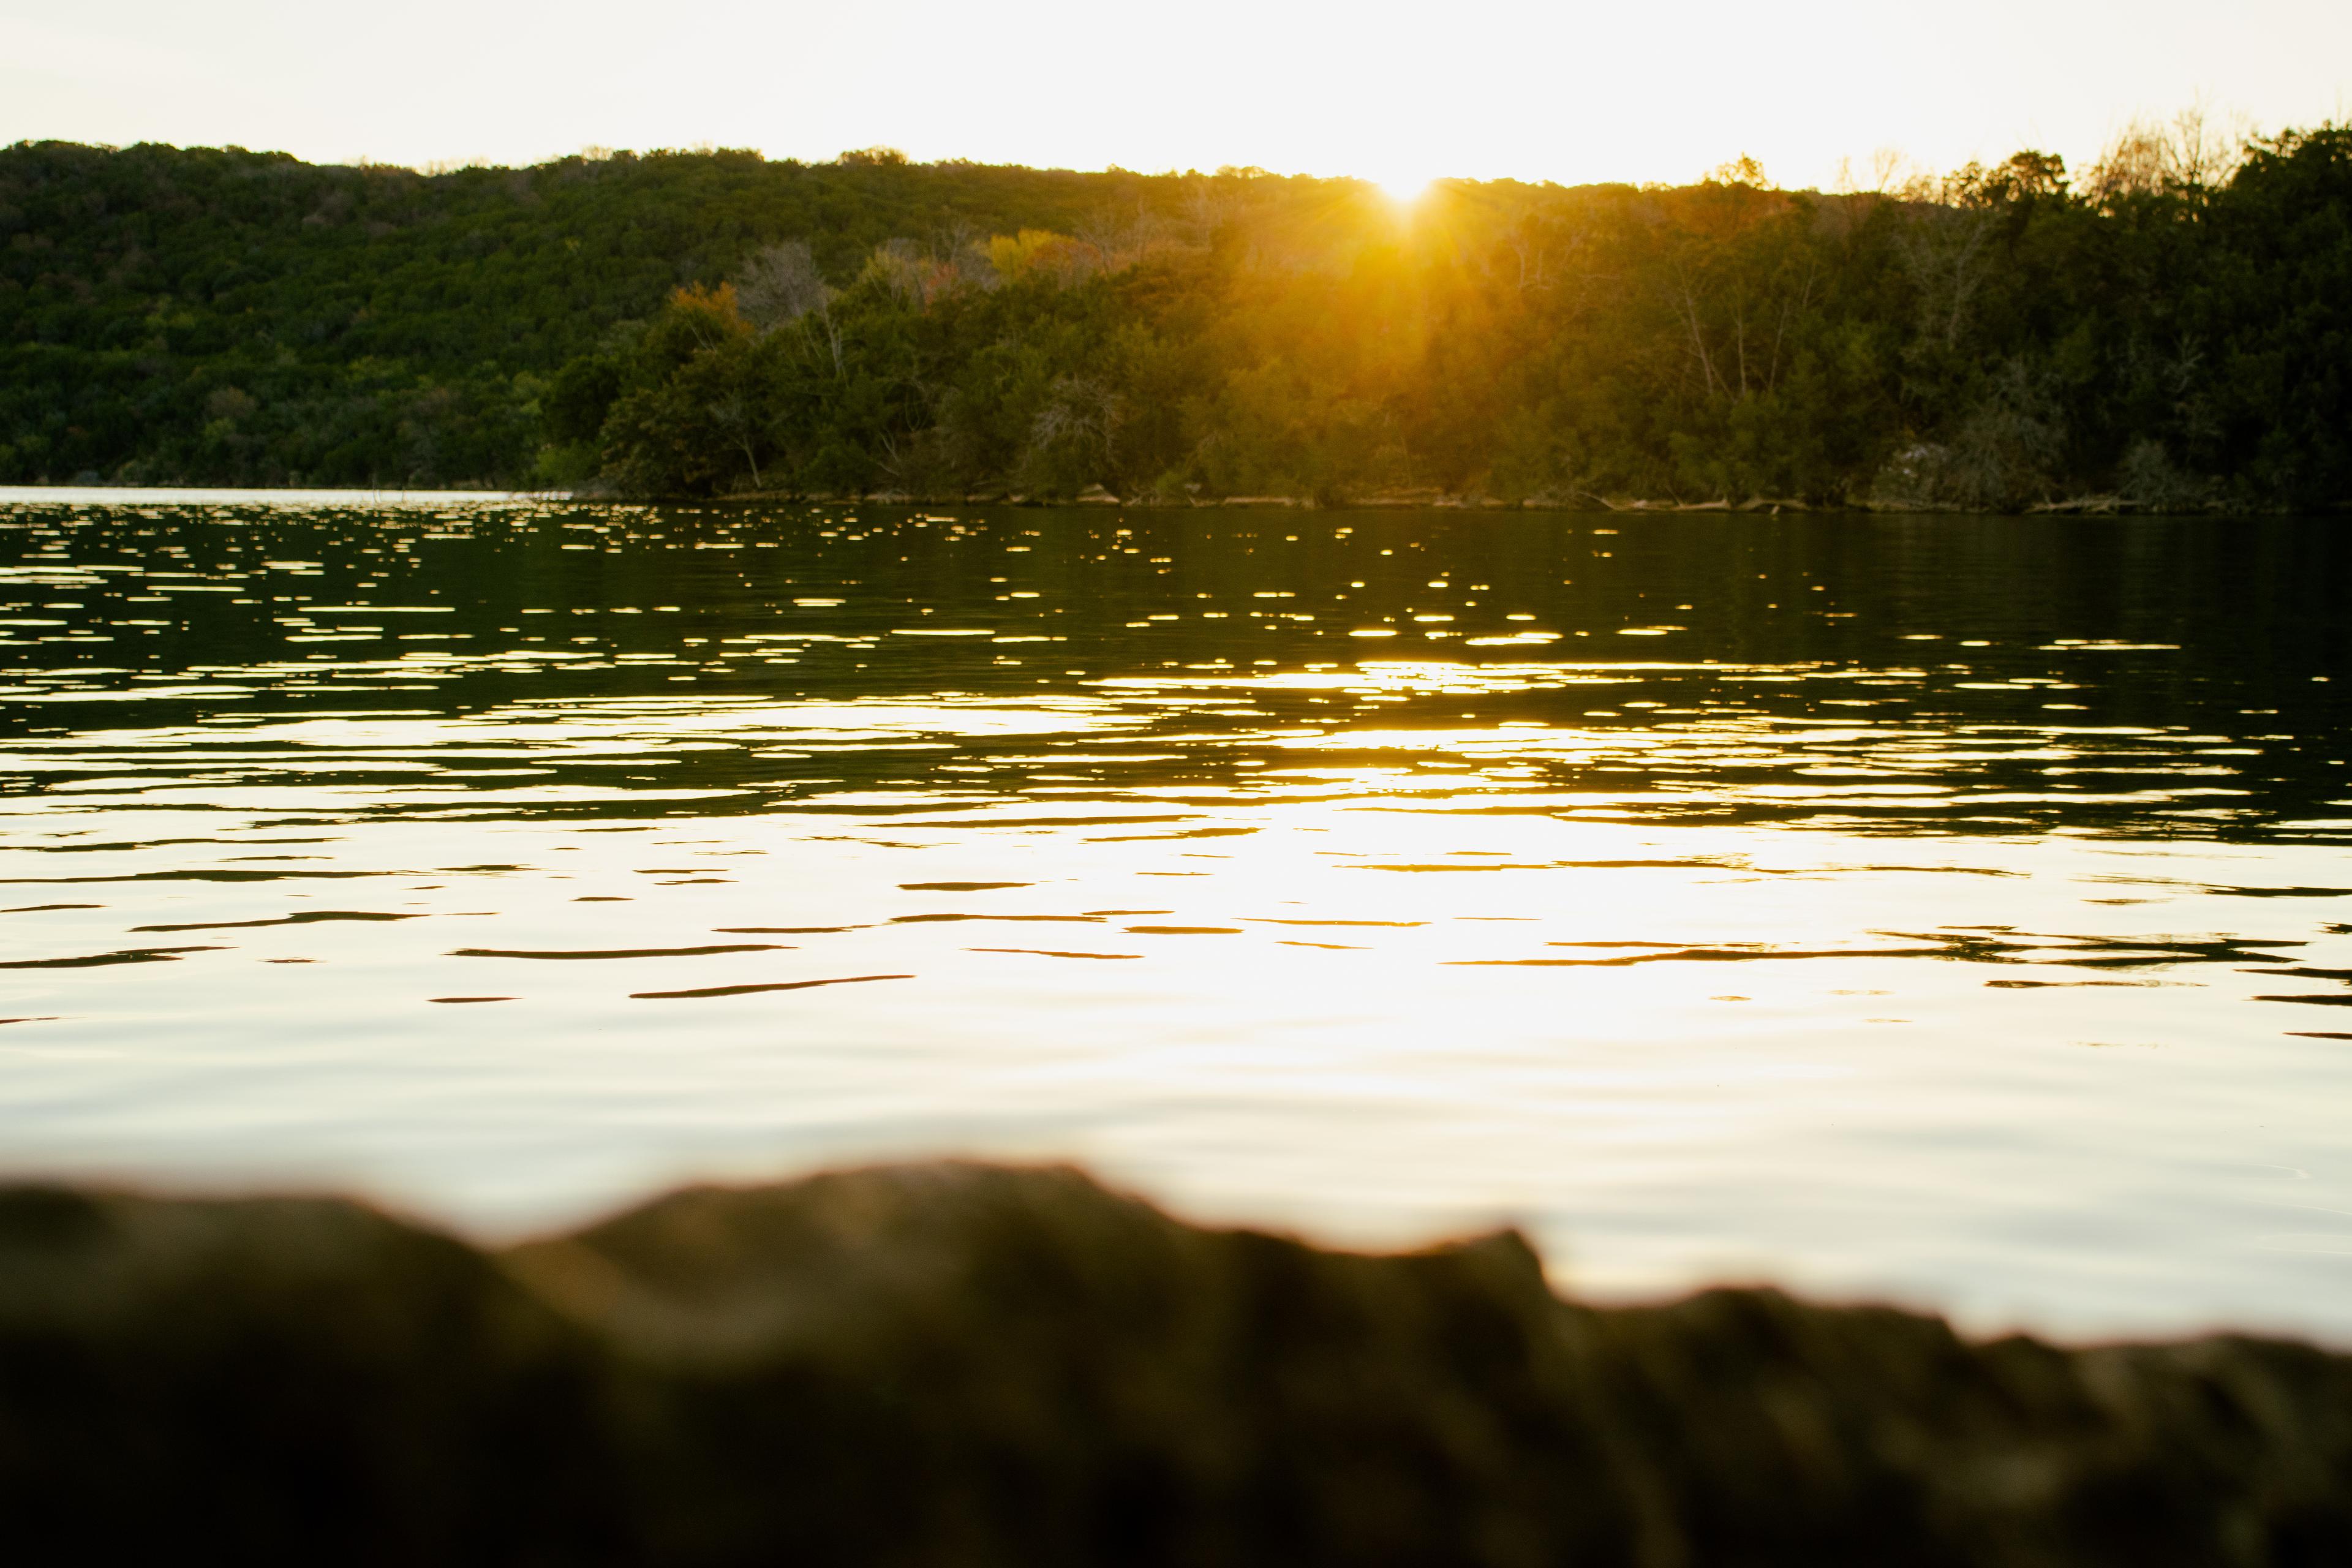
1436, 501
1381, 500
968, 1364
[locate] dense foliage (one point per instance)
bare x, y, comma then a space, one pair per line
230, 317
2174, 329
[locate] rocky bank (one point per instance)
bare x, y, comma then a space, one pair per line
972, 1365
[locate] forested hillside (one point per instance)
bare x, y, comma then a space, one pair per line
239, 318
2170, 329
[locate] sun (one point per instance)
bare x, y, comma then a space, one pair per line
1404, 187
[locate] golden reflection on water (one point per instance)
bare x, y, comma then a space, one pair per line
1977, 932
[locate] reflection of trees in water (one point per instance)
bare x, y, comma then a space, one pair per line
2148, 677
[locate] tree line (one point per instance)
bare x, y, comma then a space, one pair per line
2170, 330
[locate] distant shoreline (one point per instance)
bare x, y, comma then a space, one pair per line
2158, 331
204, 495
1754, 506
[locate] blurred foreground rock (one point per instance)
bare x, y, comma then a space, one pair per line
967, 1365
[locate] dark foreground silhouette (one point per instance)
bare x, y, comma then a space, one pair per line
960, 1364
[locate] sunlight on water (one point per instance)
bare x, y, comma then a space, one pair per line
1958, 908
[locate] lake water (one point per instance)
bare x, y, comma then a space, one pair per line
1955, 910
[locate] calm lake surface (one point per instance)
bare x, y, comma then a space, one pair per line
1954, 909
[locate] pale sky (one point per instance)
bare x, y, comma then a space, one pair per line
1573, 91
